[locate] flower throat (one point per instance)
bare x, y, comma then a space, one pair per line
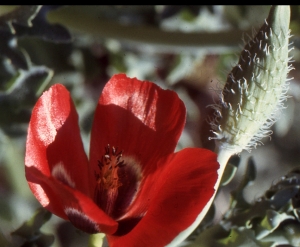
117, 182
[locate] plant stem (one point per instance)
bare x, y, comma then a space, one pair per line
223, 157
84, 20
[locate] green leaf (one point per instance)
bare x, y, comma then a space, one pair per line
230, 170
22, 15
210, 237
31, 228
271, 222
21, 93
243, 238
238, 199
187, 15
3, 241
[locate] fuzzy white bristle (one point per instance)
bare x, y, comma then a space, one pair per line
256, 88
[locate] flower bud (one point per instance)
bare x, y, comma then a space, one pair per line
256, 87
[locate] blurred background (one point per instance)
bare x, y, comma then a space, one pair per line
189, 49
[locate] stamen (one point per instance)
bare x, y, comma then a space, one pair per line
117, 181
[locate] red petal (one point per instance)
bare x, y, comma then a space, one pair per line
177, 193
54, 145
72, 204
138, 117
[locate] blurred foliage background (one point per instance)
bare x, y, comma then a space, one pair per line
186, 48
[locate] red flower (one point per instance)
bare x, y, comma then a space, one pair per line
134, 187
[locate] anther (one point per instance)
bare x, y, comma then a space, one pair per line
121, 164
107, 149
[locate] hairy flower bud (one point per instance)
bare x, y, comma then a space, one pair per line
256, 87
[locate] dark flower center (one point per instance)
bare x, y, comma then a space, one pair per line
117, 182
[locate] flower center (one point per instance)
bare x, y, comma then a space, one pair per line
117, 182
